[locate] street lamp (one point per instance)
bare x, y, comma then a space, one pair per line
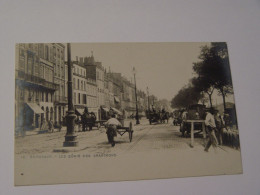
70, 137
148, 98
148, 101
137, 115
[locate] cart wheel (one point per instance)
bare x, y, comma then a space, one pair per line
130, 131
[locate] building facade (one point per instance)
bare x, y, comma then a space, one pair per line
60, 99
35, 87
84, 89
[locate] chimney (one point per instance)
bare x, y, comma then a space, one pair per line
81, 61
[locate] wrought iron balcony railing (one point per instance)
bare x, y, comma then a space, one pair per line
35, 80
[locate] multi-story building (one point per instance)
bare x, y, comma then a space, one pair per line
84, 89
60, 99
117, 88
127, 100
35, 87
96, 71
92, 96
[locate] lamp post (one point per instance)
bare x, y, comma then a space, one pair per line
148, 101
137, 115
70, 137
148, 98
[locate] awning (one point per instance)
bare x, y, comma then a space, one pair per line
79, 111
116, 99
117, 111
106, 109
35, 108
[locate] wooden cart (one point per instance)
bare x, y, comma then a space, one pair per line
122, 130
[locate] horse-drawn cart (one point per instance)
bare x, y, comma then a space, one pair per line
158, 117
154, 117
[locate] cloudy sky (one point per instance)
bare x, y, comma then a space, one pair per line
163, 67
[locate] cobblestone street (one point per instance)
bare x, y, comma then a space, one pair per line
145, 138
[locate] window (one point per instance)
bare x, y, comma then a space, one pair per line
74, 98
84, 99
30, 65
79, 98
62, 73
81, 85
74, 83
41, 51
36, 67
43, 96
47, 97
62, 90
21, 62
21, 93
46, 52
58, 70
31, 46
78, 83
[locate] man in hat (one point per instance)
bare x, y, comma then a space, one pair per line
210, 127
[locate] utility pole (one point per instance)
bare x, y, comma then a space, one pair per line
137, 114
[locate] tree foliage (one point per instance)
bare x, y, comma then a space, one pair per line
213, 71
188, 95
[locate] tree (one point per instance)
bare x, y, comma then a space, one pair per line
188, 95
213, 71
203, 85
224, 82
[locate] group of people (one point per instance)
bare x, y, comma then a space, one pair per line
49, 125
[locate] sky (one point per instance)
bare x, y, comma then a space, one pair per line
162, 67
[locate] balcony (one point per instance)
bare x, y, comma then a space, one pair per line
31, 79
60, 99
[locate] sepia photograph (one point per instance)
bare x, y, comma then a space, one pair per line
126, 111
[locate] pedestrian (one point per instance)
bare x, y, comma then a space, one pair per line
219, 127
84, 121
183, 125
111, 126
51, 127
211, 128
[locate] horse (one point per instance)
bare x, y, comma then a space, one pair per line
164, 116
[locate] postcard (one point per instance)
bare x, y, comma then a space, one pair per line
108, 112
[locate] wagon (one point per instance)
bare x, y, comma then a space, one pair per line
154, 118
121, 131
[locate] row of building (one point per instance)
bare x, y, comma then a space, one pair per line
41, 75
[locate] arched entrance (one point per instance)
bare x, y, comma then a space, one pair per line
42, 115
